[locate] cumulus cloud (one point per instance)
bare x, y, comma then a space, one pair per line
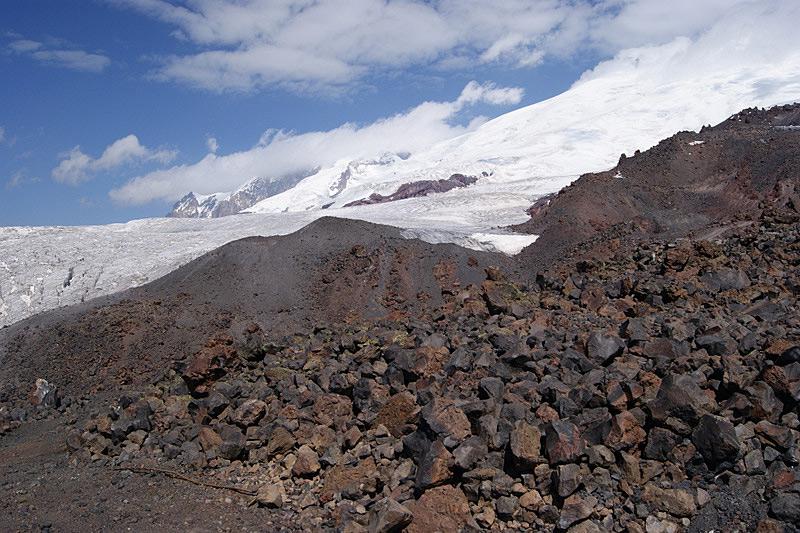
61, 57
300, 44
489, 93
76, 167
280, 153
749, 36
2, 134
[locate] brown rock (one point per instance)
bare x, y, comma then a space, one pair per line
435, 466
587, 526
272, 495
563, 442
398, 411
625, 432
280, 441
209, 439
677, 502
307, 463
499, 296
546, 414
779, 436
425, 361
440, 509
525, 444
249, 413
775, 377
210, 363
575, 509
630, 468
531, 500
358, 479
446, 420
333, 409
770, 525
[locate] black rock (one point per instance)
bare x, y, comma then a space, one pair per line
725, 279
388, 516
135, 417
602, 347
470, 452
506, 506
660, 443
715, 438
679, 396
713, 344
786, 507
233, 441
491, 387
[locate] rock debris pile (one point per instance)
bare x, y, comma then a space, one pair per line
654, 391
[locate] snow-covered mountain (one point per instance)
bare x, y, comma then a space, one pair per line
223, 204
629, 103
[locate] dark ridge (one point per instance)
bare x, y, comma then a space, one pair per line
675, 189
416, 189
331, 270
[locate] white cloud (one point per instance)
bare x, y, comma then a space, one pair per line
25, 46
212, 145
304, 44
750, 35
489, 93
20, 178
2, 134
279, 153
76, 167
61, 57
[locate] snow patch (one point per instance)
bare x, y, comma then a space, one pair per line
696, 143
507, 243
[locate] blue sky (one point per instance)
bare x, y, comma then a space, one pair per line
175, 75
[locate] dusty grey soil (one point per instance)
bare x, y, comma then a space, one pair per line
44, 490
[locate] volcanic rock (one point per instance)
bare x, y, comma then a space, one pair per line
680, 396
716, 439
563, 442
388, 516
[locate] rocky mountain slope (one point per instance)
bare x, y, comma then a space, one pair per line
331, 270
693, 183
646, 378
225, 204
625, 104
655, 391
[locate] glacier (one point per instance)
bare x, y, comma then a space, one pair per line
46, 267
